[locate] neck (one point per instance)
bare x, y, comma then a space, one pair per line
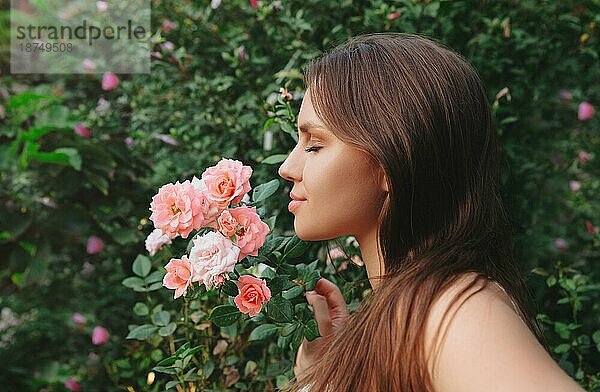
371, 257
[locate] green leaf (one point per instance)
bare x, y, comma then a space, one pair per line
276, 158
142, 266
263, 332
279, 283
562, 348
167, 361
165, 369
172, 384
311, 330
142, 332
230, 288
551, 281
288, 329
293, 292
280, 309
156, 276
161, 318
141, 309
263, 191
155, 286
133, 282
225, 315
295, 248
167, 329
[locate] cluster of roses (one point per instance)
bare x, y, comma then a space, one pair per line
234, 231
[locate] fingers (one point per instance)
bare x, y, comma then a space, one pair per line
335, 300
319, 304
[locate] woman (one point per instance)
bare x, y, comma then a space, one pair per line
397, 147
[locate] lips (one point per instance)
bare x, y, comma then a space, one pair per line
296, 202
294, 197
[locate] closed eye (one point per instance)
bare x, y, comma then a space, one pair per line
313, 149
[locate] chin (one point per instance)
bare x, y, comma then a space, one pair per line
312, 233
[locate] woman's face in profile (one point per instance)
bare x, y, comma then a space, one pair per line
337, 182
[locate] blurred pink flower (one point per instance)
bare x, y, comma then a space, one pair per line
168, 25
585, 111
590, 227
285, 94
179, 276
335, 253
110, 81
82, 131
129, 141
584, 156
253, 3
178, 208
574, 185
214, 4
72, 385
168, 46
560, 244
88, 65
565, 95
102, 107
394, 15
93, 356
252, 233
87, 269
101, 6
227, 182
99, 335
94, 245
242, 54
78, 319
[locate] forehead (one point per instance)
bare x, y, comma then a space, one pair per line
308, 120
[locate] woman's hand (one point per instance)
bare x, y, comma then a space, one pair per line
331, 314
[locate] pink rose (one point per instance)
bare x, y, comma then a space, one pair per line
110, 81
565, 95
94, 245
212, 209
99, 335
81, 130
227, 181
394, 15
167, 25
574, 185
212, 255
179, 276
560, 244
155, 241
227, 224
102, 6
178, 209
590, 227
78, 319
585, 111
584, 156
72, 385
253, 3
88, 65
253, 292
285, 94
251, 236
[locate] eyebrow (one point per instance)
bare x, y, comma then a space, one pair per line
304, 127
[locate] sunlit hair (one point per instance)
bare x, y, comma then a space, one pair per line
421, 113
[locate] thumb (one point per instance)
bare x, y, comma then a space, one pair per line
336, 304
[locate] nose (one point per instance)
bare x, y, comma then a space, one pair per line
291, 168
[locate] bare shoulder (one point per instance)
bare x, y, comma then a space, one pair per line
484, 345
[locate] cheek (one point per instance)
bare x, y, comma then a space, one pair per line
342, 199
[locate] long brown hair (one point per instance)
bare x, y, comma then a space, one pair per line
420, 112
